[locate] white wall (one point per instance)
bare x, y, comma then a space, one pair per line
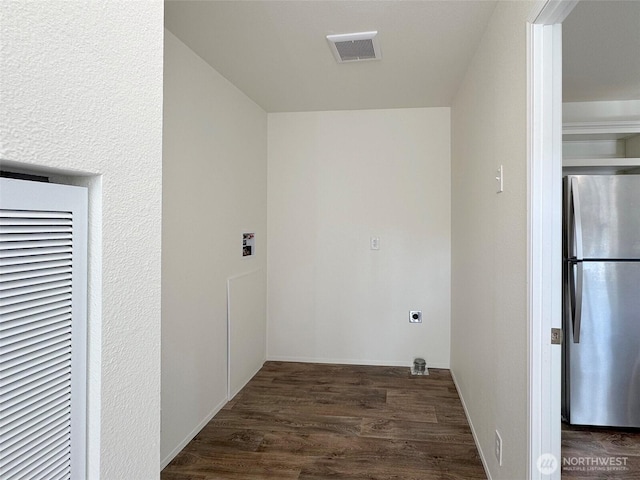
247, 315
601, 113
335, 180
489, 241
81, 90
214, 189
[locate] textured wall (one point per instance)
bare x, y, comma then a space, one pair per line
81, 90
215, 188
489, 240
335, 180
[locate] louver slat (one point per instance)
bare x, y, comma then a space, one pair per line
34, 309
16, 221
51, 314
37, 399
35, 214
38, 301
16, 294
39, 244
31, 258
35, 344
18, 252
40, 389
26, 359
10, 277
28, 282
56, 430
25, 385
29, 237
36, 463
33, 417
46, 229
46, 343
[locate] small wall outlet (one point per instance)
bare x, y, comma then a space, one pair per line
415, 316
498, 448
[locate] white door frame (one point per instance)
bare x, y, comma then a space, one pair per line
544, 248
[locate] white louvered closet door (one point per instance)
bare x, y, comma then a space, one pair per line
43, 238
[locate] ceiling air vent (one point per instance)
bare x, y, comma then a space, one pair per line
354, 47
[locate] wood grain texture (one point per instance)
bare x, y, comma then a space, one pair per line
600, 453
316, 421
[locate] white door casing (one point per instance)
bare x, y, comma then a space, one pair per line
544, 68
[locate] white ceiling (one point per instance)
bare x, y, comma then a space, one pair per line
601, 51
276, 52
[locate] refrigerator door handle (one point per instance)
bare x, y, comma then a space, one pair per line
577, 222
576, 298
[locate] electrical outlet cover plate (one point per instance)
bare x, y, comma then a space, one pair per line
415, 316
498, 448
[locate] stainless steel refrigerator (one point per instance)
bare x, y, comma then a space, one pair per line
601, 300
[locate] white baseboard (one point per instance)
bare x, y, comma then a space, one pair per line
473, 430
351, 361
191, 435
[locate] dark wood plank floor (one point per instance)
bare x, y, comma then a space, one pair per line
314, 421
603, 453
